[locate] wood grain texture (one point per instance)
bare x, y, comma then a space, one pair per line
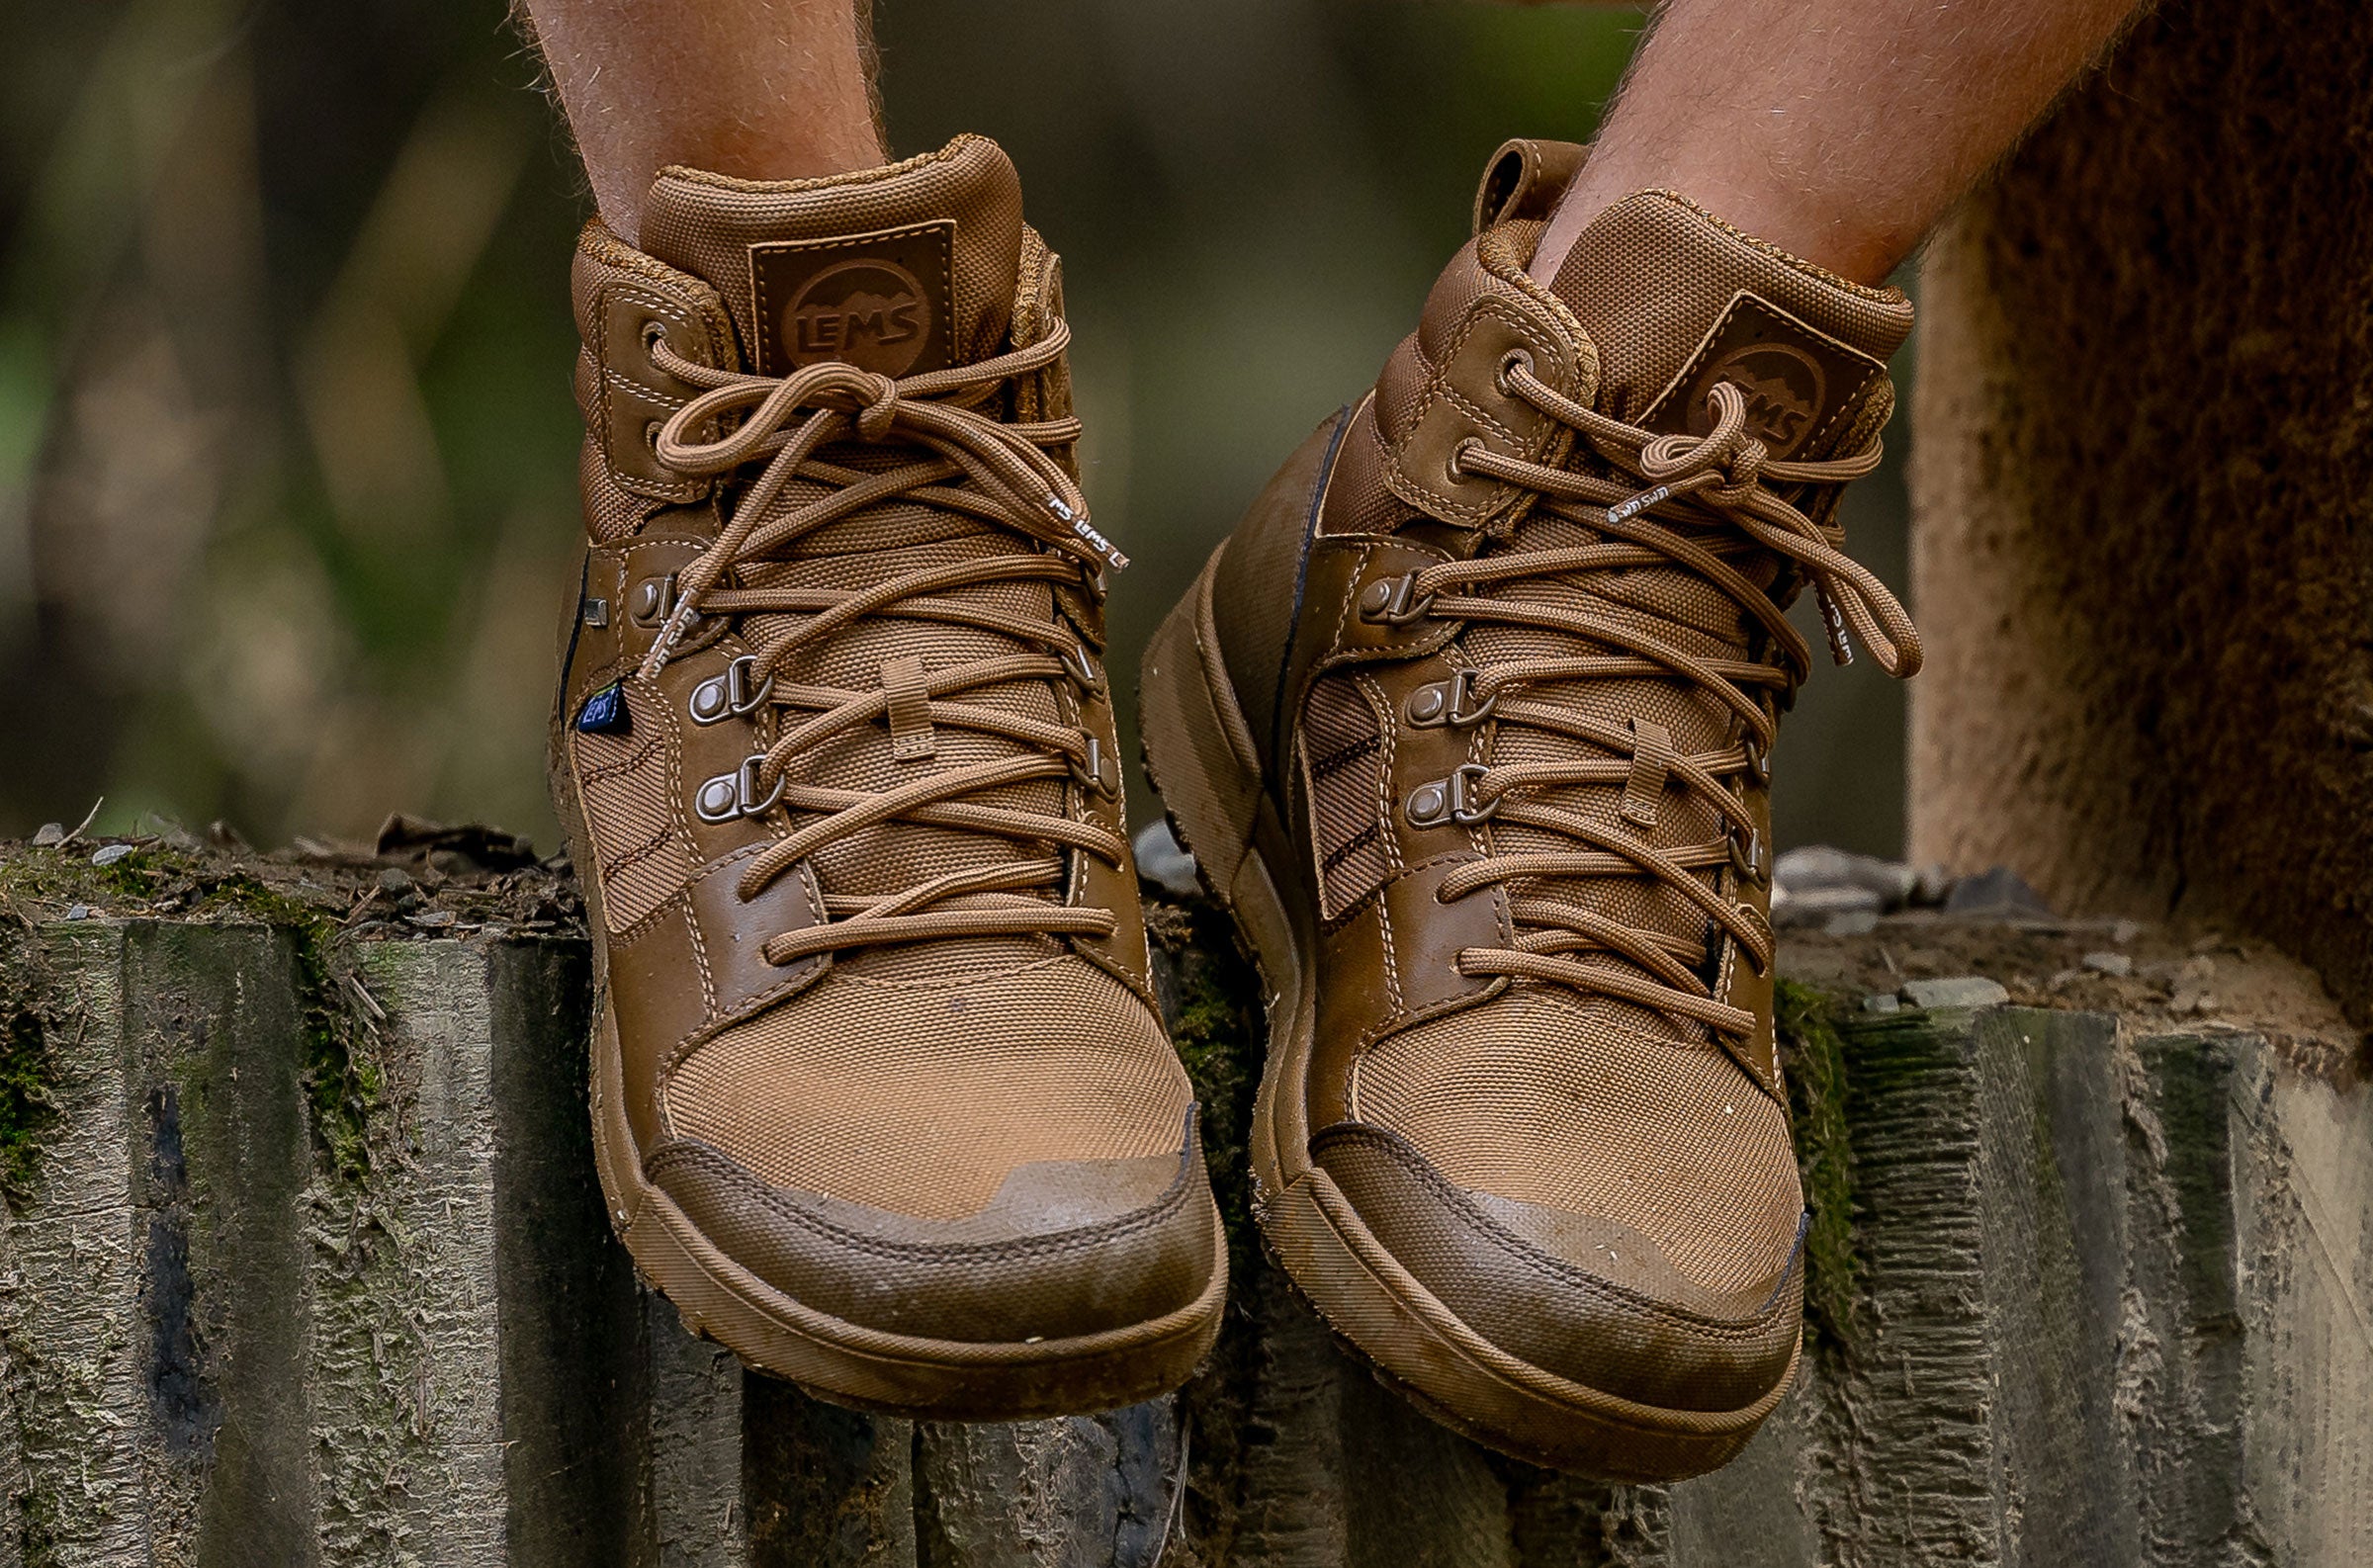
310, 1267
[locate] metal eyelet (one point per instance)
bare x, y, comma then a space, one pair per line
1751, 859
654, 600
1097, 771
655, 332
1450, 801
736, 794
1759, 761
1448, 703
730, 695
1393, 601
1456, 462
1513, 359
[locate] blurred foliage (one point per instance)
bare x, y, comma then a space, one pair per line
287, 451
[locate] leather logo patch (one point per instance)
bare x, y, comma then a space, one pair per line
879, 301
1797, 381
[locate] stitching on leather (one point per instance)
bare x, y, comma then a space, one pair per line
700, 956
1524, 1253
1389, 739
639, 390
689, 1151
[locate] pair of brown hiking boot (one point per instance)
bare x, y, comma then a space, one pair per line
1467, 725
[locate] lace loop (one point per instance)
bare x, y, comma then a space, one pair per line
1707, 506
965, 460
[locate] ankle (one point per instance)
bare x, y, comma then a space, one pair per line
1804, 225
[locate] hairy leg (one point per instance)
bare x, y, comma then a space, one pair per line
1838, 130
758, 89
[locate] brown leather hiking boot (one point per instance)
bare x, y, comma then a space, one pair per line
1467, 724
881, 1099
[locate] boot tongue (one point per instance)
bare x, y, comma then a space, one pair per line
898, 270
1675, 300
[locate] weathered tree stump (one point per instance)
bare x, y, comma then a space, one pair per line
305, 1265
2142, 492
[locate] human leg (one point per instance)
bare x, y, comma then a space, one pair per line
755, 88
1837, 129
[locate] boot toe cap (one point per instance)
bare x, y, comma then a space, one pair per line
1584, 1297
1066, 1248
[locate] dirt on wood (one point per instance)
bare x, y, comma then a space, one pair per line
2154, 979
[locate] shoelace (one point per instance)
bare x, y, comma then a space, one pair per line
1716, 487
967, 462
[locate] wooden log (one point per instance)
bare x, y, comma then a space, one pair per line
306, 1264
2143, 497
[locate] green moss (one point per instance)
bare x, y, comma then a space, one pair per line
1815, 1060
344, 1084
26, 1108
1216, 1022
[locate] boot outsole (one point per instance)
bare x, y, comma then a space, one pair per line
1200, 757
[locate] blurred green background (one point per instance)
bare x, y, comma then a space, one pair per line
286, 450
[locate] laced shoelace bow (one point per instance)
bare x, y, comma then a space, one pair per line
967, 462
1716, 487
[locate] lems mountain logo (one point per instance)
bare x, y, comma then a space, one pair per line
1785, 388
880, 301
869, 313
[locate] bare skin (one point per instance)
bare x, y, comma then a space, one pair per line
1838, 130
757, 89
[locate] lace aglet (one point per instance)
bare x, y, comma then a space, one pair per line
1841, 645
1623, 511
1083, 528
664, 644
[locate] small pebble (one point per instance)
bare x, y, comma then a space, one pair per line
78, 911
1881, 1002
2109, 963
50, 834
1163, 862
394, 880
1959, 991
111, 854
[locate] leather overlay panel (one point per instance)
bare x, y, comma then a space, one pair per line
1256, 588
636, 395
1391, 961
1465, 402
660, 992
731, 933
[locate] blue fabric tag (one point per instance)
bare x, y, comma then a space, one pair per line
605, 711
